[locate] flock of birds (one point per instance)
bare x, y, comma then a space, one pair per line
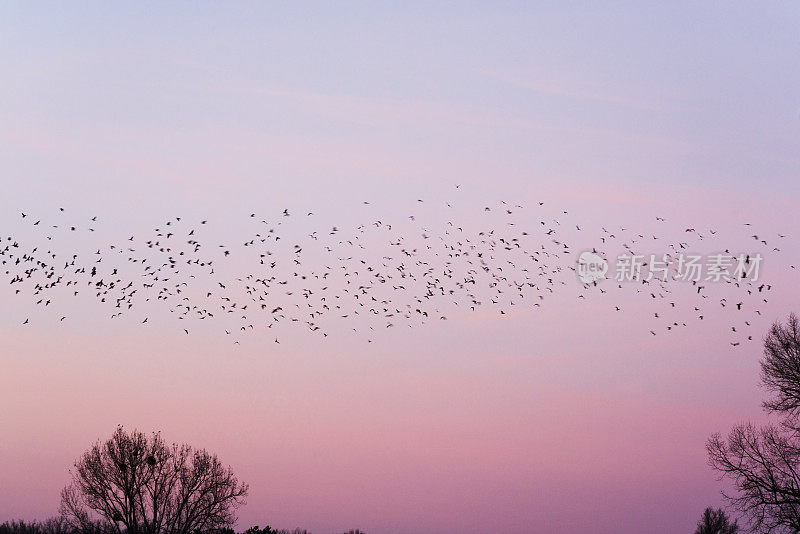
378, 274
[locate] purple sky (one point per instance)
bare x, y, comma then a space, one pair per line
562, 419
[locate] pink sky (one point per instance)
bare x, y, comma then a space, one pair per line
562, 419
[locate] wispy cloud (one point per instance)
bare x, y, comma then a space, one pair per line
586, 91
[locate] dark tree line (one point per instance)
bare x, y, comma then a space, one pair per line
57, 525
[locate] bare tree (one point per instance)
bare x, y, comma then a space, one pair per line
764, 463
780, 368
143, 486
716, 522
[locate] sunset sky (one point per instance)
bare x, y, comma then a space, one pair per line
567, 418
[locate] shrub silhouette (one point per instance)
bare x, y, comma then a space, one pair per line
716, 522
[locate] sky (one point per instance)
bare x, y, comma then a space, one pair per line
564, 419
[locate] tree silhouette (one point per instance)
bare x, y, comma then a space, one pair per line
764, 463
146, 487
716, 522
